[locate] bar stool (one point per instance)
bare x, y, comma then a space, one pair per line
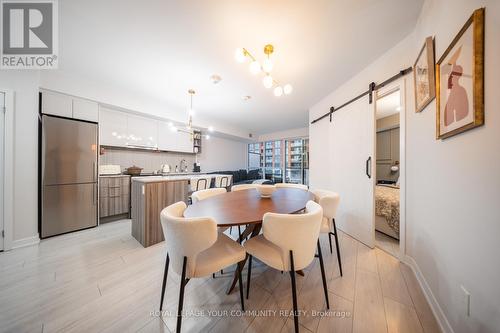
223, 181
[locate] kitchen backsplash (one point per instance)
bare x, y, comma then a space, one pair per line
149, 161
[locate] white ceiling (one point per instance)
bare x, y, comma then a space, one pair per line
388, 105
161, 48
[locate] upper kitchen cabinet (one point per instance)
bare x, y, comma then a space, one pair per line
173, 141
166, 137
85, 110
142, 132
57, 104
184, 142
112, 127
68, 106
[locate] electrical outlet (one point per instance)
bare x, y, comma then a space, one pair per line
465, 301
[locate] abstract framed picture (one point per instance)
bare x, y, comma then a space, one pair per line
423, 76
460, 80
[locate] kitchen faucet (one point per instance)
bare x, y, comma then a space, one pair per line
183, 161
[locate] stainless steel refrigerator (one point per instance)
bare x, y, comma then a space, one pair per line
69, 175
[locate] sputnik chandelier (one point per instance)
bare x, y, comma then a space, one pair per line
255, 67
189, 127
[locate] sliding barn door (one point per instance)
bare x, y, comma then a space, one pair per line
351, 165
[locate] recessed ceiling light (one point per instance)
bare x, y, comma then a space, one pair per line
215, 78
246, 97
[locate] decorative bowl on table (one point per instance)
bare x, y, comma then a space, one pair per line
266, 191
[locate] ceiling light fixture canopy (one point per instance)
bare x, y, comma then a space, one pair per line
266, 66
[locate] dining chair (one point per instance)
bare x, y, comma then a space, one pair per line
242, 187
223, 181
196, 250
329, 201
290, 185
205, 194
289, 243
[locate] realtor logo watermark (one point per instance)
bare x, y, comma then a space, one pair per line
29, 34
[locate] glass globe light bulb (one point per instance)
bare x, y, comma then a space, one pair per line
267, 81
254, 67
287, 89
278, 91
267, 65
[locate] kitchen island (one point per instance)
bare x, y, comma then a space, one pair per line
149, 195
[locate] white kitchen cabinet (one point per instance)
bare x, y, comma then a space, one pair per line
173, 141
183, 142
57, 104
142, 132
112, 127
166, 137
85, 110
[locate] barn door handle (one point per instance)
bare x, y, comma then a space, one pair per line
368, 167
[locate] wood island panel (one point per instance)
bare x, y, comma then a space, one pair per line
148, 200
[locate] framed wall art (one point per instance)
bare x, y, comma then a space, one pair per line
423, 76
460, 80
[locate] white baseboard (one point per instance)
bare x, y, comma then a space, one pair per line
443, 322
23, 242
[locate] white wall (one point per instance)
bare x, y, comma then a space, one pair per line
291, 133
221, 154
453, 186
25, 86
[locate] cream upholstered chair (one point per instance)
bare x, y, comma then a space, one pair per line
196, 249
242, 187
205, 194
329, 201
290, 185
289, 243
223, 180
200, 183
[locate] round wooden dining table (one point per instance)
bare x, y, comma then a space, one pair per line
247, 208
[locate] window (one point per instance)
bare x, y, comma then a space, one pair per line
281, 160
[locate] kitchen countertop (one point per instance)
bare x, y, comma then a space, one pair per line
171, 177
113, 176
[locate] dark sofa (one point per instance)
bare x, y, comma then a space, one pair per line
242, 176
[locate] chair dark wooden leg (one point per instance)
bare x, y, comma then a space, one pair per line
240, 281
330, 240
325, 289
181, 296
213, 275
239, 235
249, 274
164, 284
230, 230
337, 245
222, 271
294, 294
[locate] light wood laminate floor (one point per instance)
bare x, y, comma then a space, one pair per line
103, 280
386, 243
